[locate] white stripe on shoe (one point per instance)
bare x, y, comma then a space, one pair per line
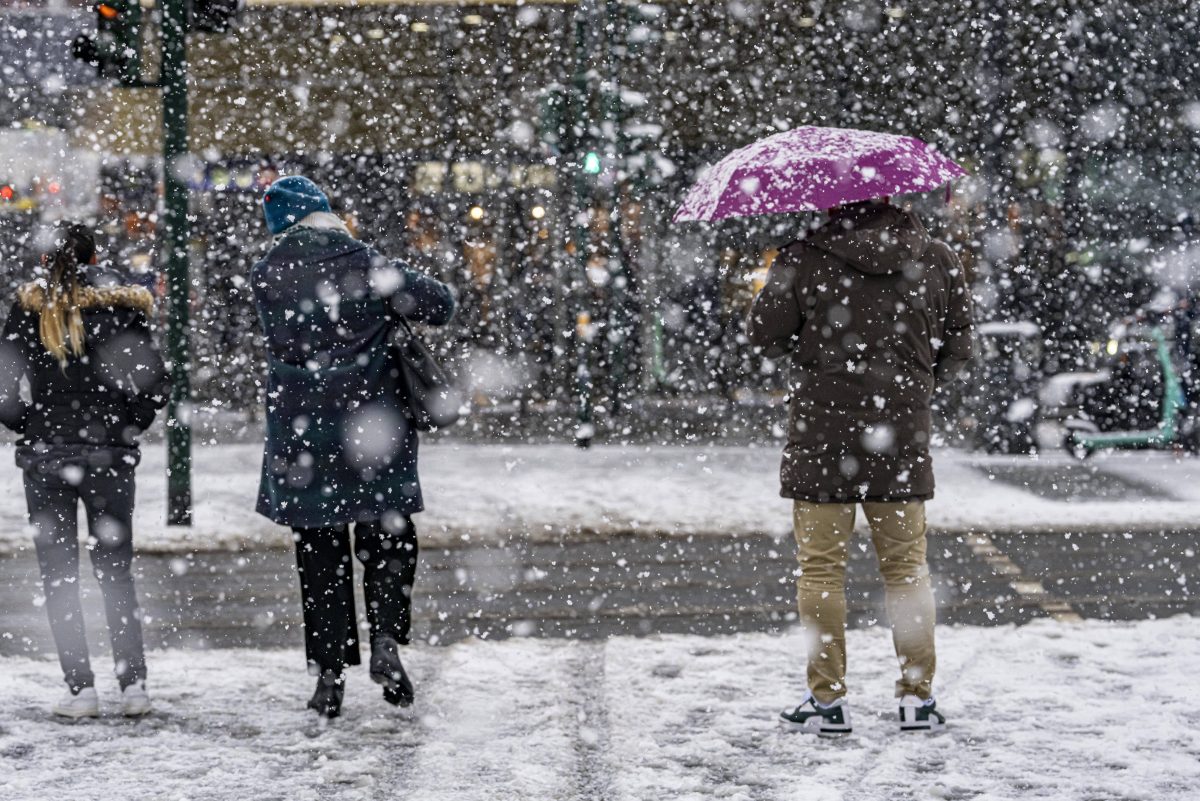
822, 720
918, 714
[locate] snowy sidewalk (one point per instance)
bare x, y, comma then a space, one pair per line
492, 492
1045, 711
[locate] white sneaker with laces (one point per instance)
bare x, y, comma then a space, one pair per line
918, 714
84, 704
135, 700
811, 717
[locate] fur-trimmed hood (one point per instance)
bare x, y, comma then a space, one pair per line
32, 297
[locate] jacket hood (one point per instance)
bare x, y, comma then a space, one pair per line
32, 297
873, 238
325, 221
316, 239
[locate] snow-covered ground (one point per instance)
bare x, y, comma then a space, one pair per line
1046, 711
493, 491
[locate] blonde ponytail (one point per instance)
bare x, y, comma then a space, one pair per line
60, 326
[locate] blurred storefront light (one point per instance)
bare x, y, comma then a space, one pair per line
469, 176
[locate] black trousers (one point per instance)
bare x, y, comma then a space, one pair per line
107, 493
323, 557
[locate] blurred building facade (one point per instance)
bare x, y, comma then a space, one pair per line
458, 135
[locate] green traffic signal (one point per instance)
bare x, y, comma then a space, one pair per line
591, 163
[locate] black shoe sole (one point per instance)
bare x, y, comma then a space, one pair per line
397, 698
329, 707
800, 728
328, 714
927, 729
393, 693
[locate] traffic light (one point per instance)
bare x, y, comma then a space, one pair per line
591, 163
116, 49
215, 16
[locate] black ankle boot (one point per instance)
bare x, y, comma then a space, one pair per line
388, 670
327, 700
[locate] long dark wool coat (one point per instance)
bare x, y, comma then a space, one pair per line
338, 449
874, 313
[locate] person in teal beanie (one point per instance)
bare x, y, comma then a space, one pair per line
289, 200
340, 454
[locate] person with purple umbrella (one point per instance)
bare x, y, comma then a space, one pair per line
873, 314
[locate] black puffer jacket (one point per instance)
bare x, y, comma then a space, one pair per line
100, 401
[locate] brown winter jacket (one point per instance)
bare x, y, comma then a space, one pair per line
874, 313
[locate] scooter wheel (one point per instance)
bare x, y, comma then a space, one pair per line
1076, 449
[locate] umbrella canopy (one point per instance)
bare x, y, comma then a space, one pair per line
810, 169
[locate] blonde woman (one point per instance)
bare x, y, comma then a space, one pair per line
80, 336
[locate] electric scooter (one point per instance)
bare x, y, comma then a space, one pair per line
1141, 404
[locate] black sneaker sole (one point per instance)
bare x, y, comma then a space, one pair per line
820, 731
923, 727
925, 720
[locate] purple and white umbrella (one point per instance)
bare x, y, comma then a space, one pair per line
811, 169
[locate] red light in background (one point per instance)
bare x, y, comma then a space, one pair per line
6, 193
54, 188
107, 11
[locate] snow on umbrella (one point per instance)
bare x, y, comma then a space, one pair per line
811, 169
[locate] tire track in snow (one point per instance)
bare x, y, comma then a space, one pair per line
387, 730
496, 725
697, 722
883, 754
592, 776
368, 749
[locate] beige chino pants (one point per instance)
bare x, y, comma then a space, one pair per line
823, 531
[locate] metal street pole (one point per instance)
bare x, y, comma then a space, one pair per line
614, 132
581, 138
176, 235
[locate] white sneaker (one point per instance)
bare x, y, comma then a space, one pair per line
917, 714
84, 704
813, 718
134, 700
